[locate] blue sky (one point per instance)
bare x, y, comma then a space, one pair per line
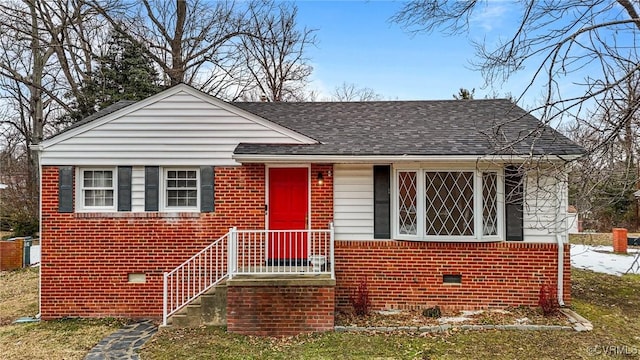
358, 44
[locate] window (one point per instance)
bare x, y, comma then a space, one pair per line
447, 205
181, 189
97, 189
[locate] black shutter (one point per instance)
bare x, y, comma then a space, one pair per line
514, 199
151, 188
65, 189
124, 188
381, 202
207, 179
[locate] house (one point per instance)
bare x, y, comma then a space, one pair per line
145, 205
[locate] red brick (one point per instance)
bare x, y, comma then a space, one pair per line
405, 274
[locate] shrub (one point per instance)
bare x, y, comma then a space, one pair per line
360, 299
433, 312
24, 226
548, 300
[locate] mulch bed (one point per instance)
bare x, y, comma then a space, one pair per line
508, 316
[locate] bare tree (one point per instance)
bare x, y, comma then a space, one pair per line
275, 51
43, 59
190, 41
351, 92
589, 44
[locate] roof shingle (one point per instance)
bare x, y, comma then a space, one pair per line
446, 127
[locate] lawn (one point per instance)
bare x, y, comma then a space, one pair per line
610, 302
65, 339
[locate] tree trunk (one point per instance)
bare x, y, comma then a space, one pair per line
177, 62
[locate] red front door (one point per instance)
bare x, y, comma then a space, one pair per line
288, 210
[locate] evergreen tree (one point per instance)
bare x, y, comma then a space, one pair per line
124, 72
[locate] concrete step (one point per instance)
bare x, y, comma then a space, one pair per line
209, 308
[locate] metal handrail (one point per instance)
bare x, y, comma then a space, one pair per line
192, 278
247, 252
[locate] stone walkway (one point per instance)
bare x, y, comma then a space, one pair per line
124, 343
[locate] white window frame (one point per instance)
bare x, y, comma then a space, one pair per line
80, 205
163, 191
477, 205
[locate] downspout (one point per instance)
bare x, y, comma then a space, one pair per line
559, 229
37, 148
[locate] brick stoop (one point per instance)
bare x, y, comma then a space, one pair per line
209, 308
280, 306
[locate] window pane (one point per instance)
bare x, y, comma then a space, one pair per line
98, 188
489, 203
182, 198
407, 202
88, 178
449, 203
98, 197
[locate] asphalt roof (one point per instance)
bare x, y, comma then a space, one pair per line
445, 127
440, 127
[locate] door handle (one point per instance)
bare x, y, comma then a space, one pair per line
306, 221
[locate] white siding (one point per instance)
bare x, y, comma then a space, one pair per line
353, 202
180, 129
137, 189
545, 213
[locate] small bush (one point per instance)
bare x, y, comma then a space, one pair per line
433, 312
360, 299
548, 300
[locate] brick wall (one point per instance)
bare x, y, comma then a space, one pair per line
404, 274
321, 196
280, 310
11, 253
86, 258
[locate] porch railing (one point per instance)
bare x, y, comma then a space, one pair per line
273, 252
248, 252
194, 277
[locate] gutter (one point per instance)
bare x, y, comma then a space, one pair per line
39, 149
273, 158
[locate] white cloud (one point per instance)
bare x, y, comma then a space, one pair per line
490, 16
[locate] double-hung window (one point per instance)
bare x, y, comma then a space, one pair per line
181, 189
438, 205
97, 189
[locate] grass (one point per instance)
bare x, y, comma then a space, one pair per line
610, 302
64, 339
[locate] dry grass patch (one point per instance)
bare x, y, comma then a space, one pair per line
65, 339
18, 294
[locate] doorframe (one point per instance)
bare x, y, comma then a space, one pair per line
267, 195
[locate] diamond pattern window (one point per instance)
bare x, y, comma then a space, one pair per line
408, 202
450, 205
489, 203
